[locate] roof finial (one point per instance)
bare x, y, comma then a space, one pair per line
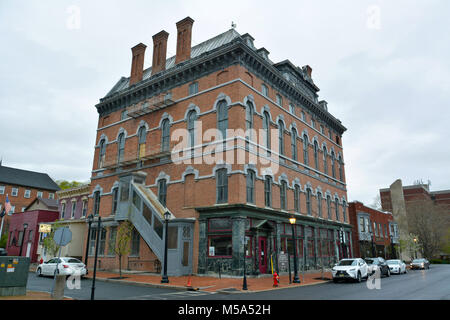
233, 25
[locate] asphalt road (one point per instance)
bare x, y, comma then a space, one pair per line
432, 284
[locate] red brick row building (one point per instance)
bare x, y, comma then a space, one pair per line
375, 232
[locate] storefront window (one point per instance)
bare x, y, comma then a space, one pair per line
219, 246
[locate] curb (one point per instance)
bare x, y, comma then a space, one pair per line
142, 284
221, 291
291, 287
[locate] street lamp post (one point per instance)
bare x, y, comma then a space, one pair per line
244, 283
25, 226
373, 248
90, 219
394, 254
292, 221
415, 248
99, 226
165, 279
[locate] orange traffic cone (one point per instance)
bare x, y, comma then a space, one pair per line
189, 284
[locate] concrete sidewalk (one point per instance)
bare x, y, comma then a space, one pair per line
213, 284
32, 295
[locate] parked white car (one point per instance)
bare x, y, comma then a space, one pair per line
66, 266
353, 269
396, 266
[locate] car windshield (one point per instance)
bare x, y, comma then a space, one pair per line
417, 260
347, 263
73, 260
371, 261
392, 262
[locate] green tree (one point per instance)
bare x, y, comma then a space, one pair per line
64, 184
123, 239
48, 243
4, 237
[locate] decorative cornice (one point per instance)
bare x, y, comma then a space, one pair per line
235, 52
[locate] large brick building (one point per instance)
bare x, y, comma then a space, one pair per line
375, 233
223, 211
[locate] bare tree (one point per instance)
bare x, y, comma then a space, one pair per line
376, 204
430, 222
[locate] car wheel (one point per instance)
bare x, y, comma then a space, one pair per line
358, 277
39, 272
335, 280
388, 274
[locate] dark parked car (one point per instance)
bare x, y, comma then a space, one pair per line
3, 252
378, 263
420, 264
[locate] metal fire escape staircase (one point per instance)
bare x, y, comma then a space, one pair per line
139, 205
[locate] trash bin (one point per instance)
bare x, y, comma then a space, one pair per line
14, 275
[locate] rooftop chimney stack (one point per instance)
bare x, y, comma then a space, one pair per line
308, 70
184, 37
137, 63
159, 51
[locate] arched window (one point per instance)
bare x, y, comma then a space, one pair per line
316, 155
192, 117
251, 186
341, 176
248, 123
165, 135
222, 185
294, 144
222, 118
336, 207
96, 203
268, 191
329, 207
283, 189
325, 162
281, 137
308, 202
264, 90
115, 193
297, 198
162, 191
333, 164
319, 204
305, 149
142, 135
120, 147
102, 153
266, 128
344, 210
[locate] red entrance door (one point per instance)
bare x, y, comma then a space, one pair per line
262, 254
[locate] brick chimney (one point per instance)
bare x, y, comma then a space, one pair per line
184, 36
137, 63
159, 51
308, 70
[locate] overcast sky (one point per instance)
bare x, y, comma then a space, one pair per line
383, 67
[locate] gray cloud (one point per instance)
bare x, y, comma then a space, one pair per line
389, 86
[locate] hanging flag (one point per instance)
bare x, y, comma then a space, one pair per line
7, 205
